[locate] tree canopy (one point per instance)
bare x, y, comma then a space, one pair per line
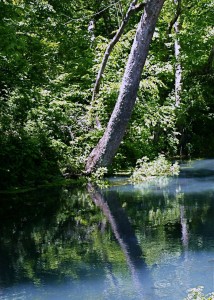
50, 54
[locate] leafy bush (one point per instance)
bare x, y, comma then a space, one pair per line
26, 160
146, 169
197, 294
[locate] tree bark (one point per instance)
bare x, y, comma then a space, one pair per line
132, 8
176, 16
104, 152
178, 68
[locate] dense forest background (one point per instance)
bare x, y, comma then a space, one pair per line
50, 53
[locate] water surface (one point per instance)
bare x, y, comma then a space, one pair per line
148, 241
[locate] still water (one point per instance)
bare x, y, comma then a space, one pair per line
148, 241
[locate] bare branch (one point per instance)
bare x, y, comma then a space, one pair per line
132, 8
176, 16
139, 7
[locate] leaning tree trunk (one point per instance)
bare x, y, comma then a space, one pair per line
132, 8
104, 152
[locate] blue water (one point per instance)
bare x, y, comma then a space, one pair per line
147, 241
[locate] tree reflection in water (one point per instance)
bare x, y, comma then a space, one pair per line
123, 242
125, 235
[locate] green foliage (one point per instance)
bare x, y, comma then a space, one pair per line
99, 173
48, 65
44, 88
98, 179
27, 160
197, 294
147, 170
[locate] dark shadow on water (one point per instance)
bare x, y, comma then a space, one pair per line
125, 236
148, 241
198, 168
196, 173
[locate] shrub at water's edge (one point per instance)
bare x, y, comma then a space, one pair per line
146, 170
197, 294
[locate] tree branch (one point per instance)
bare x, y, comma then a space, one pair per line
132, 8
105, 150
175, 18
